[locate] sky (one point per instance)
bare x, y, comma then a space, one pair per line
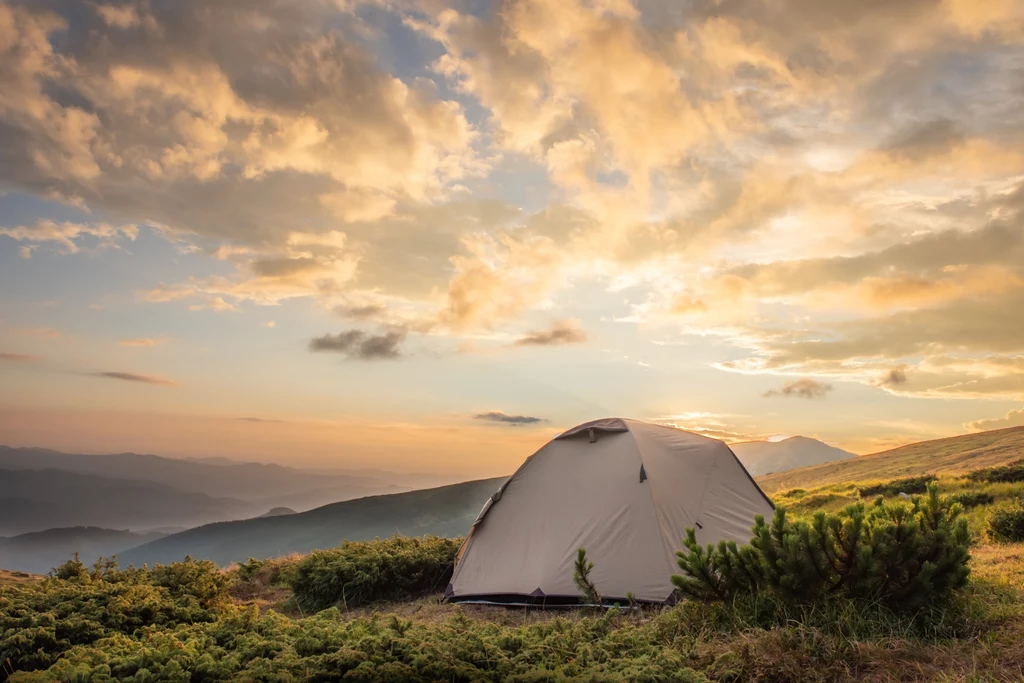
428, 236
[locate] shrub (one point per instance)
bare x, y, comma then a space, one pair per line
897, 486
1007, 524
906, 555
198, 578
972, 499
270, 572
1011, 473
72, 570
356, 573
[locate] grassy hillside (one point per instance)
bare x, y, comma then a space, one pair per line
445, 511
953, 455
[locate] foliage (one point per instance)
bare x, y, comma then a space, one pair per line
74, 607
1006, 525
357, 573
198, 578
691, 642
905, 555
107, 623
1011, 473
581, 575
72, 570
908, 485
972, 499
270, 572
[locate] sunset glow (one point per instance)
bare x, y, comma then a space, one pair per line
426, 236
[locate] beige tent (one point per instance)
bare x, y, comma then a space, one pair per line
626, 491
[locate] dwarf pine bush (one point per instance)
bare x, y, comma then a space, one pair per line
357, 573
972, 499
581, 575
1007, 524
896, 486
1006, 474
904, 554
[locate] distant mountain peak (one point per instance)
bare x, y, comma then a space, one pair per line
765, 457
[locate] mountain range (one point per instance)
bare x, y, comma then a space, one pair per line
41, 551
443, 511
265, 531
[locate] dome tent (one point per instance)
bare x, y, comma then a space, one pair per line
624, 490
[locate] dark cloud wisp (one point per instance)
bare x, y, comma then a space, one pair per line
561, 333
359, 344
801, 388
133, 377
18, 357
501, 417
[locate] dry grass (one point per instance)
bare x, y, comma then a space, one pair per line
9, 578
954, 455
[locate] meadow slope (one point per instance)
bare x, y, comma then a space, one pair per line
953, 455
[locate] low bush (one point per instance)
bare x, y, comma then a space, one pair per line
198, 578
74, 608
357, 573
1011, 473
269, 572
1006, 525
972, 499
910, 485
903, 554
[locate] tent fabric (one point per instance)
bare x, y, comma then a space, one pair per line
624, 490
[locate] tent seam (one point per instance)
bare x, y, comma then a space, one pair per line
666, 544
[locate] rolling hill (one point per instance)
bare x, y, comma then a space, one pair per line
952, 455
266, 485
765, 457
41, 551
445, 511
47, 499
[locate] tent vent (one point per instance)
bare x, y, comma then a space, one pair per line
593, 435
643, 474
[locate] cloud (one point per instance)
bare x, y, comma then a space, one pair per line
68, 235
256, 419
801, 388
140, 342
504, 418
215, 303
819, 189
499, 279
133, 377
244, 104
360, 312
1014, 418
894, 377
561, 333
359, 344
19, 357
